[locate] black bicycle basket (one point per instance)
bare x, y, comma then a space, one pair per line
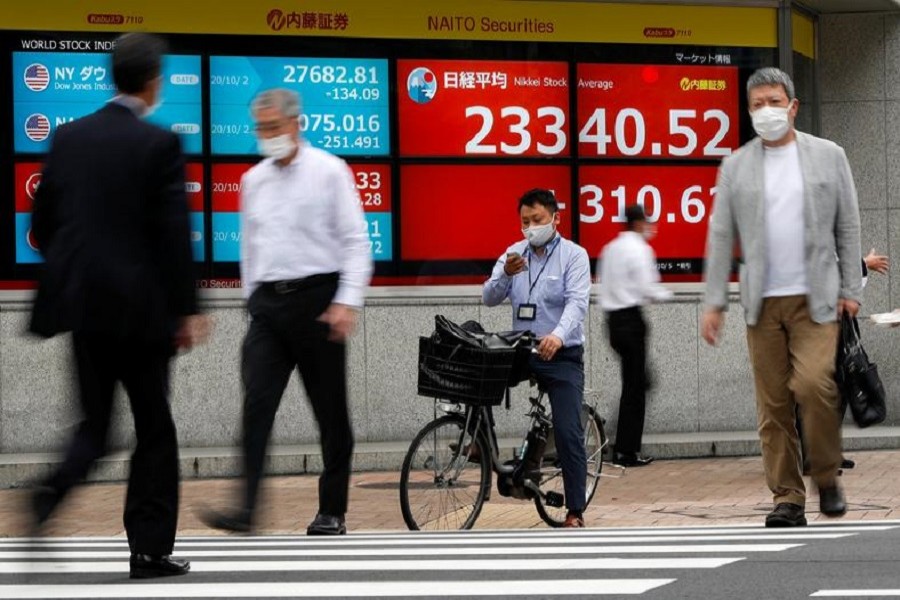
460, 364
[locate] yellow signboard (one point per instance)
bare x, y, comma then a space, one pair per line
803, 34
500, 20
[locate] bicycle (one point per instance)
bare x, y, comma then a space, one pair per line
447, 472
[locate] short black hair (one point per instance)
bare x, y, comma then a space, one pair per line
539, 196
136, 61
633, 214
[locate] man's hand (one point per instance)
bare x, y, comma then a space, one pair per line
877, 263
851, 307
192, 331
711, 325
549, 346
341, 319
515, 263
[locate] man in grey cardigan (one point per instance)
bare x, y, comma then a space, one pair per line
786, 201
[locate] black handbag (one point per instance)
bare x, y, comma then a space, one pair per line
857, 377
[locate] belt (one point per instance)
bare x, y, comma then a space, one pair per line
631, 310
295, 285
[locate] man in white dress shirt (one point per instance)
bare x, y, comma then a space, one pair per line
305, 266
628, 280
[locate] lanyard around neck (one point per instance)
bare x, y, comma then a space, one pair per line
532, 284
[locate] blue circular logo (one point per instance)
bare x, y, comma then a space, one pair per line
421, 85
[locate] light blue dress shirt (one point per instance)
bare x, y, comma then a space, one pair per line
560, 289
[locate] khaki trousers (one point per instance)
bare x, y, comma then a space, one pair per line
793, 365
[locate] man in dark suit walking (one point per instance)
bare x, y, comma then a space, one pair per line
111, 220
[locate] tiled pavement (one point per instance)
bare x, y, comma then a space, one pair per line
710, 491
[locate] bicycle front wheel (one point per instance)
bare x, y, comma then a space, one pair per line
595, 446
445, 476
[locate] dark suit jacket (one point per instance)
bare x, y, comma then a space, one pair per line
111, 220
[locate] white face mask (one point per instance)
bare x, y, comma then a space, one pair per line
771, 123
538, 235
277, 147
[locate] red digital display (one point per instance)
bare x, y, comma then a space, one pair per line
193, 186
28, 178
653, 111
469, 212
483, 108
678, 199
226, 186
373, 182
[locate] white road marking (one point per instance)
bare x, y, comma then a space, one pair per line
414, 551
356, 589
480, 564
564, 539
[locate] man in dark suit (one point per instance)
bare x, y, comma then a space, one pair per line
111, 221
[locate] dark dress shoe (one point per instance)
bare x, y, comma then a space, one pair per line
631, 460
847, 463
236, 522
326, 525
831, 502
148, 566
786, 514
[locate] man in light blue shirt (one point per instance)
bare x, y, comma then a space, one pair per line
548, 281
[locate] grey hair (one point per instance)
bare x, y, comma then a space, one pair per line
771, 76
286, 101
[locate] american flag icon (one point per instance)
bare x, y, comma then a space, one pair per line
37, 127
37, 77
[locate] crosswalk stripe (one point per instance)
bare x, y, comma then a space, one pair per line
480, 564
455, 541
356, 589
416, 551
751, 530
844, 525
857, 593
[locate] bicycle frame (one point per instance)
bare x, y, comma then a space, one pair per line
478, 417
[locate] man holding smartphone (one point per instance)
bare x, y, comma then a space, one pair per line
548, 281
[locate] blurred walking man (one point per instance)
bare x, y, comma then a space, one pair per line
111, 220
305, 266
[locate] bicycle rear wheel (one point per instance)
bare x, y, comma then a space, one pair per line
445, 476
595, 446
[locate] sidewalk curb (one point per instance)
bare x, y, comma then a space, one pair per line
17, 470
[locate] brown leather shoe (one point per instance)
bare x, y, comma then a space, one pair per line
573, 521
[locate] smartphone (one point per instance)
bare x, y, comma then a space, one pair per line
512, 255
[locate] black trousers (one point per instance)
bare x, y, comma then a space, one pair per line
284, 334
628, 337
151, 503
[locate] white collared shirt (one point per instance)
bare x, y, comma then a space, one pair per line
627, 273
304, 219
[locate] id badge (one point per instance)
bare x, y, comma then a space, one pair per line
527, 312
